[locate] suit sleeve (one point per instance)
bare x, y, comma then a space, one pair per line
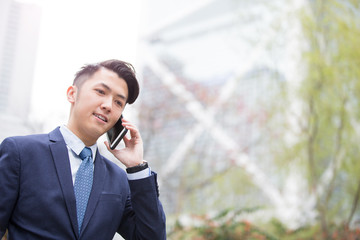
144, 216
9, 181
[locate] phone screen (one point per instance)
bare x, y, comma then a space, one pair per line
116, 133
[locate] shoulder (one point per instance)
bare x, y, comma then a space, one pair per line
26, 141
14, 149
29, 142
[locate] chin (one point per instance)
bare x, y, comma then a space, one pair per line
96, 132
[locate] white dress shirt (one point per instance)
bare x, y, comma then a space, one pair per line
75, 146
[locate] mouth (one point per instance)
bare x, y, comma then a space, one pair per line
101, 117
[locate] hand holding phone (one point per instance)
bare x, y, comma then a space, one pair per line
116, 133
133, 152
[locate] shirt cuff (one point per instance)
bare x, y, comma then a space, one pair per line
139, 175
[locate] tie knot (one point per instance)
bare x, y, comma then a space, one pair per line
86, 152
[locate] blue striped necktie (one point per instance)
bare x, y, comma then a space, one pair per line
83, 184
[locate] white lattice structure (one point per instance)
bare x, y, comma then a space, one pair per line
173, 55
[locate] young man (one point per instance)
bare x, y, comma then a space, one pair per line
58, 186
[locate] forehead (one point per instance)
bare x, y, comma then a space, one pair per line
109, 78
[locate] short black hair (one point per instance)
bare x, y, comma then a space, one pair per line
123, 69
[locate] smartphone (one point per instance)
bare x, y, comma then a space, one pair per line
116, 133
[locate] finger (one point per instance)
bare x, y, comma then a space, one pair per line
126, 140
128, 124
107, 145
124, 120
113, 151
134, 132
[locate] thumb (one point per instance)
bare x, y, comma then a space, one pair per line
108, 146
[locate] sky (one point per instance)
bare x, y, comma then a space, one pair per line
73, 33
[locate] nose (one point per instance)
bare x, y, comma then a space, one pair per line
106, 104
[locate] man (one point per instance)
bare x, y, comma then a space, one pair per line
58, 185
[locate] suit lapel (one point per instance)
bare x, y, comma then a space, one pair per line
98, 185
62, 164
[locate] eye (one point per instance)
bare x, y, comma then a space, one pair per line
119, 103
100, 91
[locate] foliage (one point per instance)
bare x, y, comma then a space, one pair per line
220, 227
331, 101
227, 226
325, 138
311, 129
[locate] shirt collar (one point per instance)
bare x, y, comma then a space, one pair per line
74, 143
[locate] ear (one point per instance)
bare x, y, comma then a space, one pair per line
71, 93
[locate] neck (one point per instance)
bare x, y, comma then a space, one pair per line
87, 140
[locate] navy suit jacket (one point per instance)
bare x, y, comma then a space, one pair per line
37, 198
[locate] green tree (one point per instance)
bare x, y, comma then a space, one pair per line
326, 145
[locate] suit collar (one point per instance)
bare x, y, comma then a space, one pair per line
62, 164
55, 135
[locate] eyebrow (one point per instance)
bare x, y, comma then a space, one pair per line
109, 89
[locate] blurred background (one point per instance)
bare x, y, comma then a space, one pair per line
249, 110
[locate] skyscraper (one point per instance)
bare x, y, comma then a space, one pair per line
208, 69
19, 32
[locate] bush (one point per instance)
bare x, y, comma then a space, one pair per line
228, 226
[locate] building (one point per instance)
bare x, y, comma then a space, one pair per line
19, 33
209, 67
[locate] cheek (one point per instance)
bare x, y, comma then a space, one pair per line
114, 120
89, 102
116, 111
115, 117
84, 108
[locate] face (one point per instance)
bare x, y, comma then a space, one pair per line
96, 105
